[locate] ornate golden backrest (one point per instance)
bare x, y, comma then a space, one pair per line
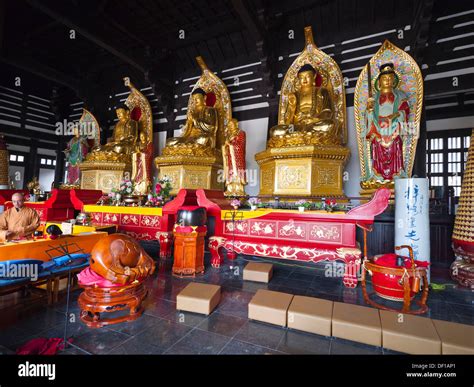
88, 121
137, 99
331, 79
410, 82
211, 83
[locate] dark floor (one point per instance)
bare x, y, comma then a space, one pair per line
163, 330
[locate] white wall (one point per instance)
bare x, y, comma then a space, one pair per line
256, 134
46, 178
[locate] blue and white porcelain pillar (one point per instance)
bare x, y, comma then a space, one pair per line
412, 222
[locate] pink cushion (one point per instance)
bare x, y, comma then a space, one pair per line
89, 277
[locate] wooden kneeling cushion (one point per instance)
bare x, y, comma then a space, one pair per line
456, 339
356, 323
198, 298
410, 334
258, 272
310, 314
270, 307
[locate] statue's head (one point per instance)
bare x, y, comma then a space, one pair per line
198, 97
307, 75
143, 137
232, 128
122, 113
387, 78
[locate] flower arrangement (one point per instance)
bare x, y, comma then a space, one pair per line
163, 187
162, 192
303, 203
254, 203
126, 188
330, 205
235, 203
106, 199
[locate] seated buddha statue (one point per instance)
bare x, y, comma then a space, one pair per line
123, 140
201, 125
309, 114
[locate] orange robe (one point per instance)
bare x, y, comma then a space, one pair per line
21, 223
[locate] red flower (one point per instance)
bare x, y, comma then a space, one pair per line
158, 189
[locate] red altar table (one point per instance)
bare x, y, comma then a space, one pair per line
310, 236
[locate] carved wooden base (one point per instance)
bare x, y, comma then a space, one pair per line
94, 301
191, 172
303, 171
102, 175
188, 253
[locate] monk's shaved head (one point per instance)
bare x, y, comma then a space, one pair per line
17, 196
18, 200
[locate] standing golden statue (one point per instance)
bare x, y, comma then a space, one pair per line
233, 152
128, 154
305, 154
194, 160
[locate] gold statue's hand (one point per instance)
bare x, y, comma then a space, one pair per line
292, 99
370, 104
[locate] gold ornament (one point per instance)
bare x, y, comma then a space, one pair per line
305, 155
311, 114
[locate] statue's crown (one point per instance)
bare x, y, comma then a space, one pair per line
387, 68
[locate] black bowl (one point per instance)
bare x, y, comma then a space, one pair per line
191, 216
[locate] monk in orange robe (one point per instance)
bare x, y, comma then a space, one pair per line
19, 221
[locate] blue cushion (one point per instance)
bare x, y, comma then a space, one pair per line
72, 266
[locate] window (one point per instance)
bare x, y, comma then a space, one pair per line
17, 159
43, 161
446, 158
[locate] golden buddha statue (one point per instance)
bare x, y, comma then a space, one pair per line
123, 140
128, 152
201, 124
309, 112
194, 160
306, 152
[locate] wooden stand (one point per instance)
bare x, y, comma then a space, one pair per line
188, 253
399, 278
95, 300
